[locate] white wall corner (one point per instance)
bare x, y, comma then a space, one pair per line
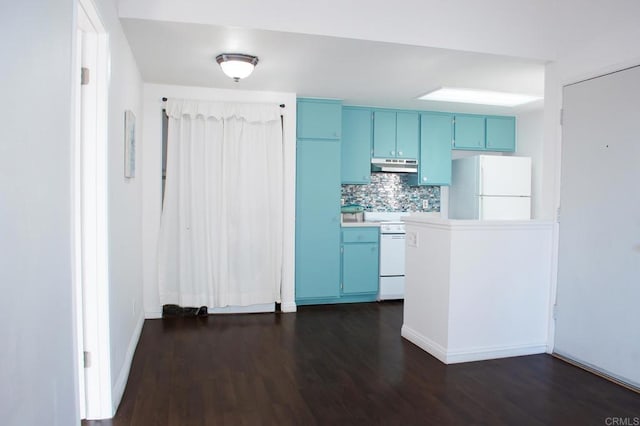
424, 343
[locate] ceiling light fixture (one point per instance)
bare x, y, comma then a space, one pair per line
474, 96
237, 65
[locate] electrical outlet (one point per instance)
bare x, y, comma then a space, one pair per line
412, 239
425, 204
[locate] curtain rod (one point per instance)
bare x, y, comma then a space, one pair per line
165, 100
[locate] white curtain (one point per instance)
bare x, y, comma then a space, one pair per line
222, 222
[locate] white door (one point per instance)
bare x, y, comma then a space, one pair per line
504, 208
504, 176
597, 315
391, 255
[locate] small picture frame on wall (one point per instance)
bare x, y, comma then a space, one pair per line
129, 144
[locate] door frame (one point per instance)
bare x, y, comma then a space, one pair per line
90, 215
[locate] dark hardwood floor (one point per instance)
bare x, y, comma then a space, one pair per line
345, 365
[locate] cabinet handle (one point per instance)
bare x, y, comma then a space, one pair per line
424, 179
453, 142
393, 153
399, 152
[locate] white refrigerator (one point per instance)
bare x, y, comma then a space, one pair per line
490, 187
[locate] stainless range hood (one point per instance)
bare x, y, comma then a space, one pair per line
394, 165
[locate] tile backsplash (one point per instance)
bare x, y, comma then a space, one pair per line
389, 192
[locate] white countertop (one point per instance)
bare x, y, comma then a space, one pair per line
396, 216
360, 224
430, 220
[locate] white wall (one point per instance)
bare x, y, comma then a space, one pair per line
152, 179
125, 205
530, 134
37, 354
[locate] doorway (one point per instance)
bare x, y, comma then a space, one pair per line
90, 225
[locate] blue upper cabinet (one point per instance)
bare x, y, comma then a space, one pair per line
384, 134
501, 134
356, 145
319, 119
469, 132
396, 134
436, 134
407, 134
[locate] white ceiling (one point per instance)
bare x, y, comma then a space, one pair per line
358, 71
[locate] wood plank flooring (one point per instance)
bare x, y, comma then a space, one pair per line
344, 365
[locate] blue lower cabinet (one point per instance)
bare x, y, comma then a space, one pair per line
360, 264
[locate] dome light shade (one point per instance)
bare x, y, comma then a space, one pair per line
237, 65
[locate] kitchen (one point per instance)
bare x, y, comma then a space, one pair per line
391, 163
390, 181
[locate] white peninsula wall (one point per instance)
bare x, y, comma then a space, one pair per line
477, 289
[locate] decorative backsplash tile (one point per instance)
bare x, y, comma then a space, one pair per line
390, 192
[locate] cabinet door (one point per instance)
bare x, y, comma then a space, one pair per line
360, 268
319, 119
501, 133
436, 134
318, 219
356, 146
407, 134
384, 134
469, 132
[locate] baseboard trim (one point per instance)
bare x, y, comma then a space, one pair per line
424, 343
153, 315
471, 354
251, 309
121, 383
288, 307
600, 373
